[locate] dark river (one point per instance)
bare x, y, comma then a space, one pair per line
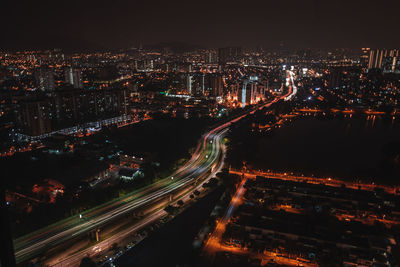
346, 147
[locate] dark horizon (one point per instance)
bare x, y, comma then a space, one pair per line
77, 25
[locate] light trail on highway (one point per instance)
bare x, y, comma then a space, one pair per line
202, 161
74, 260
206, 157
217, 153
292, 85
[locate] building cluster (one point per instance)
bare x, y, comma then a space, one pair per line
309, 223
40, 115
203, 84
370, 82
47, 92
387, 60
248, 91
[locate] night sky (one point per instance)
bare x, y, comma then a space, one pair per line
89, 24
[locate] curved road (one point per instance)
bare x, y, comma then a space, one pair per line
204, 160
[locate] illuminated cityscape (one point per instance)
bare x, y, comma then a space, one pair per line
207, 134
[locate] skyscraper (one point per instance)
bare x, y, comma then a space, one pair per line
376, 57
44, 77
391, 64
215, 85
211, 57
34, 117
189, 83
364, 57
335, 78
229, 54
73, 76
247, 92
70, 107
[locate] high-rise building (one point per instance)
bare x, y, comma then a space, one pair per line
79, 106
209, 84
189, 81
391, 64
197, 83
248, 91
44, 77
364, 57
34, 117
376, 57
335, 78
210, 57
229, 54
67, 108
73, 77
214, 84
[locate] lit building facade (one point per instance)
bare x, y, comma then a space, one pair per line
73, 77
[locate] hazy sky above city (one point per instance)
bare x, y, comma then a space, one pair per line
74, 25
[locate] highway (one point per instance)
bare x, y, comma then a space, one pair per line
292, 86
153, 214
204, 163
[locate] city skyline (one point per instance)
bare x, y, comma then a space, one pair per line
214, 133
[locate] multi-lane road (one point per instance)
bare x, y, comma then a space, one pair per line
211, 163
204, 163
291, 84
203, 160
